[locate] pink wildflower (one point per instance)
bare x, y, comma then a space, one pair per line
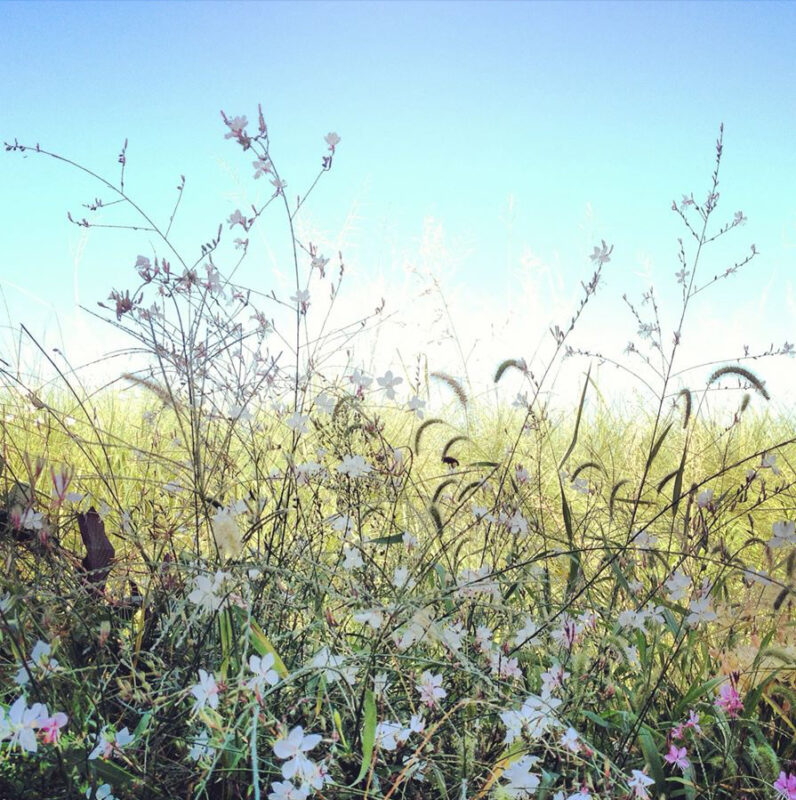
786, 785
237, 218
602, 255
693, 721
677, 757
51, 726
261, 167
430, 688
236, 126
729, 700
60, 483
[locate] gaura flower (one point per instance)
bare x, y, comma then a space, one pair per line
263, 673
206, 691
51, 726
226, 533
354, 466
293, 747
430, 688
639, 783
677, 757
729, 700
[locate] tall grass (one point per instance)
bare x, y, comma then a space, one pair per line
230, 574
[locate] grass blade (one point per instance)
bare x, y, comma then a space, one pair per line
577, 421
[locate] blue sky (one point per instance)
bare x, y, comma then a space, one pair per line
489, 144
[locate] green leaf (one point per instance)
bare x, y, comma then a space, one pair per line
671, 622
319, 693
368, 735
678, 485
439, 781
338, 724
619, 574
690, 697
689, 787
653, 758
262, 644
596, 719
227, 640
143, 724
395, 538
574, 563
232, 752
442, 584
253, 746
112, 773
753, 697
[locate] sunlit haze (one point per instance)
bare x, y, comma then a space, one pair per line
486, 150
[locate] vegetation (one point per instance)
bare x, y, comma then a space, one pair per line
226, 576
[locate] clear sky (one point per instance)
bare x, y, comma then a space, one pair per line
491, 145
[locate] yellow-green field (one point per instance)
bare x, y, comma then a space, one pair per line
490, 572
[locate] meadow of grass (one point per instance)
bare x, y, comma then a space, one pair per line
229, 576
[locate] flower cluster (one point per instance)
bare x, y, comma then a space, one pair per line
20, 724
